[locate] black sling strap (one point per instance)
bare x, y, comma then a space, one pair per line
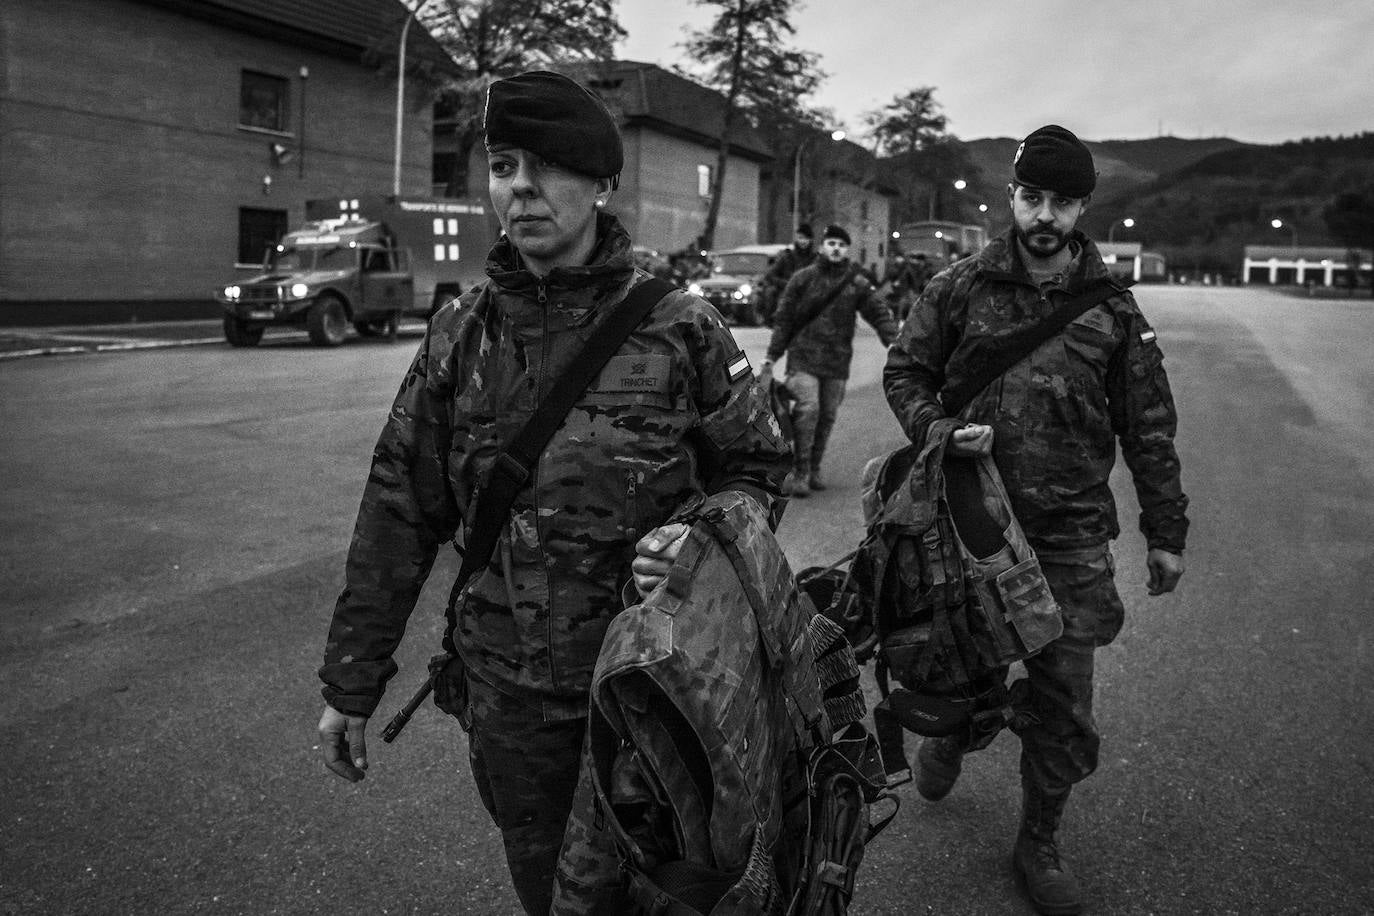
988, 359
849, 274
512, 468
513, 465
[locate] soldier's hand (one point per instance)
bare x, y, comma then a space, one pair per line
655, 554
344, 742
971, 441
765, 376
1165, 570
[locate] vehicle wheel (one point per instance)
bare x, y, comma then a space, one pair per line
372, 327
240, 333
327, 322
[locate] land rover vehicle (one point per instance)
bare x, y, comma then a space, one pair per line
361, 261
735, 284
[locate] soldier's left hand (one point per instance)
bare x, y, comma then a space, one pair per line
1165, 570
655, 554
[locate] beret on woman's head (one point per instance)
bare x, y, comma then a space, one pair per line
554, 117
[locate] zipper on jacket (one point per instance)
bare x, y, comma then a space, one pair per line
534, 487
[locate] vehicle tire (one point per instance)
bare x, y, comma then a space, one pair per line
327, 322
240, 333
372, 327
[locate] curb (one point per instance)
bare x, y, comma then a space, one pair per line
114, 346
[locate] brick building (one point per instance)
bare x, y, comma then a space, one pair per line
149, 146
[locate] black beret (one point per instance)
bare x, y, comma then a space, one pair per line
836, 232
1053, 159
805, 229
553, 116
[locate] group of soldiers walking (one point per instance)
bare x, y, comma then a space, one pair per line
678, 414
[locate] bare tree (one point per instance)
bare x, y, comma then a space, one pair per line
913, 132
762, 80
493, 39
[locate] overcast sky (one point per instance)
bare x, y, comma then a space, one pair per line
1255, 70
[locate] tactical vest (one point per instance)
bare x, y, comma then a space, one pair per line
715, 706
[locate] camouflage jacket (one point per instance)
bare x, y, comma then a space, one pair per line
1058, 413
790, 260
824, 346
674, 415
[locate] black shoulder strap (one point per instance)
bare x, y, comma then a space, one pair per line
815, 313
986, 364
513, 465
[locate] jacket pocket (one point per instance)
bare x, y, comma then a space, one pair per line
1029, 606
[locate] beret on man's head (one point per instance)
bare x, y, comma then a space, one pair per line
836, 232
1053, 159
554, 117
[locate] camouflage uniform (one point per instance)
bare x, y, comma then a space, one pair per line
674, 414
789, 261
1057, 416
820, 351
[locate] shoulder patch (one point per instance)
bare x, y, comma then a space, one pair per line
1097, 319
1147, 336
739, 367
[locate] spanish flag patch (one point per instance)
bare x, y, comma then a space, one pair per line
739, 367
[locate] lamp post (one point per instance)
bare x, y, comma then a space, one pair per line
837, 136
1292, 233
400, 98
1111, 230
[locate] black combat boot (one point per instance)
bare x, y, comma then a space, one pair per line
1052, 888
938, 763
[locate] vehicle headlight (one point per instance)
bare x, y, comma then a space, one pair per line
694, 289
299, 290
745, 291
231, 292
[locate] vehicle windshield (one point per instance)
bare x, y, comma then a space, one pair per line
311, 257
740, 264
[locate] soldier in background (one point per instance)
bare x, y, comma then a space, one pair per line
1052, 423
789, 261
814, 326
676, 415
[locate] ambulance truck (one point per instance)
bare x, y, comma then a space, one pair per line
361, 261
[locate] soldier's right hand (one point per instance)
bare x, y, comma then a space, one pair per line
971, 441
344, 742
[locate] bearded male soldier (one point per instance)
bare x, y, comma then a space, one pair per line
1051, 423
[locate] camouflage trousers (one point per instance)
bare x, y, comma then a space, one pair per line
1062, 748
529, 764
813, 417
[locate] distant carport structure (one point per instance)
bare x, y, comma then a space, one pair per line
1287, 265
1129, 259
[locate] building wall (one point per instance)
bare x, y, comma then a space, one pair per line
123, 163
658, 198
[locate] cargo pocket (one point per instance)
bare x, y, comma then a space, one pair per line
449, 676
1030, 608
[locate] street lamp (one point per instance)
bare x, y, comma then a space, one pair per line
1293, 233
960, 184
400, 98
1111, 230
837, 136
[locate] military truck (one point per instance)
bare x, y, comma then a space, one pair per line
361, 261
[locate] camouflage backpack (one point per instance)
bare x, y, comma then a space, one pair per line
729, 758
944, 592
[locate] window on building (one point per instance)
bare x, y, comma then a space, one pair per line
263, 101
258, 231
704, 180
863, 209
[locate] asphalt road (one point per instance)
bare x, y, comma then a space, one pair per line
174, 527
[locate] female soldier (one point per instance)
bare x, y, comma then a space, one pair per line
674, 415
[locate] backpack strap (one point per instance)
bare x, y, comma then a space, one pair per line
997, 355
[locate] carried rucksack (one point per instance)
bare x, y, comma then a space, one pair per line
728, 754
944, 592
